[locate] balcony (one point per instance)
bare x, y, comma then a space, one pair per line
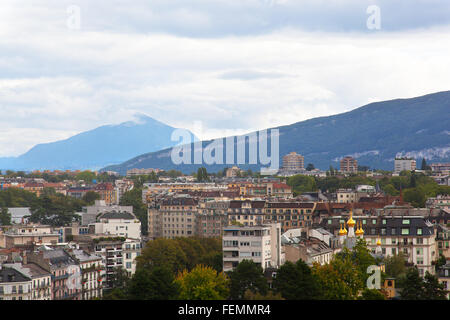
61, 277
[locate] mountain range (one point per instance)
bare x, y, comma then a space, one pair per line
97, 148
374, 134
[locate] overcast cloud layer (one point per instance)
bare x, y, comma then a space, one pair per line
236, 66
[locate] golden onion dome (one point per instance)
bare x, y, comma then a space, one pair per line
341, 231
351, 222
359, 231
344, 231
378, 242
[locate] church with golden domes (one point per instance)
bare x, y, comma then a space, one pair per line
348, 238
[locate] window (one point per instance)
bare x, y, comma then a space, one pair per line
405, 231
419, 231
406, 221
384, 221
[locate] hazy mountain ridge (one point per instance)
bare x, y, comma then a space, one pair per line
374, 134
94, 149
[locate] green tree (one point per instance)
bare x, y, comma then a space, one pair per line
247, 276
415, 196
433, 290
155, 284
5, 217
249, 295
296, 282
412, 286
338, 279
202, 283
395, 265
162, 253
301, 183
90, 197
371, 294
87, 176
202, 175
133, 198
310, 167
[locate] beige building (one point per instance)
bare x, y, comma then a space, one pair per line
293, 162
28, 234
346, 196
349, 165
211, 218
233, 172
178, 217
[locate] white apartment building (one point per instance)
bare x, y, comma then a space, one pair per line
401, 164
131, 249
118, 223
261, 244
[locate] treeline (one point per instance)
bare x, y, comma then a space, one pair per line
190, 268
416, 187
50, 208
87, 176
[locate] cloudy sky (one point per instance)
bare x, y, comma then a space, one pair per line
233, 65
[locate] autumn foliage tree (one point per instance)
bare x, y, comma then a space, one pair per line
202, 283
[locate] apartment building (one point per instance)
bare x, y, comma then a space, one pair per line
89, 214
211, 218
414, 236
293, 162
246, 212
154, 220
233, 172
346, 196
131, 249
178, 217
111, 252
106, 191
14, 285
310, 250
401, 164
443, 240
65, 271
259, 243
41, 282
348, 165
34, 187
92, 271
121, 186
118, 223
28, 234
290, 215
